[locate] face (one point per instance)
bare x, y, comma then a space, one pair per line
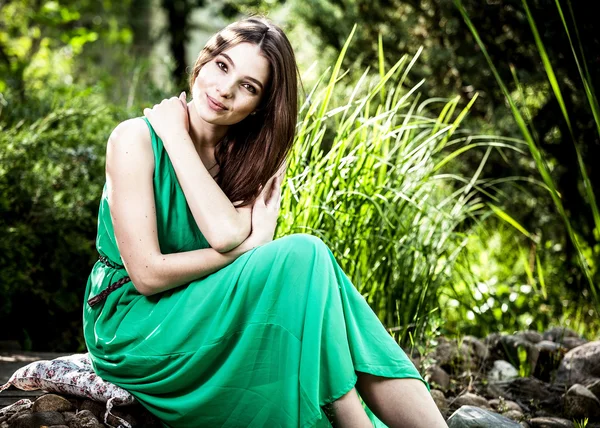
235, 79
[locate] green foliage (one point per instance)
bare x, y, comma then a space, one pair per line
524, 365
40, 40
372, 189
51, 176
505, 281
529, 135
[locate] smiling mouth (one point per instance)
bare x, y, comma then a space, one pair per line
215, 104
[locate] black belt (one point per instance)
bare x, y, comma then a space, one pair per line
100, 297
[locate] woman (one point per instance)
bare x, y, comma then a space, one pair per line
193, 307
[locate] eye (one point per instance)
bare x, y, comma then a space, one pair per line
250, 88
219, 65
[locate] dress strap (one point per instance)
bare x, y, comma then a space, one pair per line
100, 297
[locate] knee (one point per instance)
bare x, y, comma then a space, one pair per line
300, 245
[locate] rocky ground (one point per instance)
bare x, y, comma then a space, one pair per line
527, 379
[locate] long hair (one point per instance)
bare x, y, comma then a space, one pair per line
254, 149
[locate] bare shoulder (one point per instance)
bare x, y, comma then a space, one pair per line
130, 142
131, 131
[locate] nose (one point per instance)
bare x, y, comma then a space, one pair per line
225, 90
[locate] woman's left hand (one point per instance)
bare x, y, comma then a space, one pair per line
169, 118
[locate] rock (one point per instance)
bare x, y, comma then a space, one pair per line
98, 409
530, 391
492, 339
581, 403
123, 415
515, 415
438, 376
35, 420
594, 387
24, 420
550, 356
440, 400
511, 346
476, 349
548, 346
501, 405
69, 416
580, 364
546, 422
572, 342
446, 352
530, 336
85, 419
556, 334
475, 417
48, 418
51, 402
469, 399
502, 370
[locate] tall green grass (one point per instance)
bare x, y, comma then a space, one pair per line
585, 255
367, 176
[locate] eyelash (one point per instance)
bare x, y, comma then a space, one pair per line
249, 86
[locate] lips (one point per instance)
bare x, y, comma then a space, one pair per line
215, 102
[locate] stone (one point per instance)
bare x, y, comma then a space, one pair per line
556, 334
510, 345
581, 403
501, 405
98, 409
547, 422
502, 370
437, 376
69, 416
35, 420
550, 356
573, 342
530, 336
548, 346
580, 364
475, 347
440, 400
48, 418
85, 419
24, 420
532, 392
446, 352
515, 415
51, 402
475, 417
470, 399
594, 387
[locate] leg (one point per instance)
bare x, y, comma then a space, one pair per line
399, 402
348, 412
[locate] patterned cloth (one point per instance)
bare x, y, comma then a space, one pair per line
72, 375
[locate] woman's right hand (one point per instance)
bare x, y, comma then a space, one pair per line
169, 119
265, 212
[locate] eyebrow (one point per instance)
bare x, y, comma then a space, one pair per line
247, 77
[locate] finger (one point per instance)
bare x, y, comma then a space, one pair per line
182, 96
265, 188
282, 169
147, 112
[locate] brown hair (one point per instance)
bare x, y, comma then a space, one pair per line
254, 149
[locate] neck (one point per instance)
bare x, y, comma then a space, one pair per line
205, 135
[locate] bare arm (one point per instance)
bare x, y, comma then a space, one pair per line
129, 171
224, 226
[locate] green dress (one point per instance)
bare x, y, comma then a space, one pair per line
265, 341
